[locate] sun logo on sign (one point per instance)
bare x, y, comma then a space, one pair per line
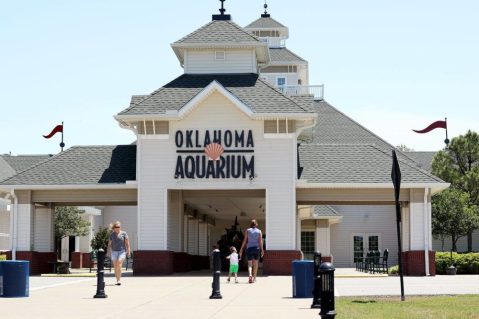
214, 151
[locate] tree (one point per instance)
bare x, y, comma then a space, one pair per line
404, 148
453, 215
68, 222
458, 164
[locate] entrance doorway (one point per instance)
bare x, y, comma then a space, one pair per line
362, 243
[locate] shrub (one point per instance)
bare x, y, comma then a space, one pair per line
465, 263
394, 270
3, 257
100, 240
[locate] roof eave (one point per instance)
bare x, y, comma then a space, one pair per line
127, 185
435, 187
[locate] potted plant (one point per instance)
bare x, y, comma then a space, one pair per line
451, 270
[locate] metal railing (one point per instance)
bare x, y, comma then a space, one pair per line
317, 91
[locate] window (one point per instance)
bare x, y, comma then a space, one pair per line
362, 243
279, 126
220, 55
358, 248
280, 81
152, 127
307, 244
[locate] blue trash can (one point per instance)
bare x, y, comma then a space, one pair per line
14, 278
303, 278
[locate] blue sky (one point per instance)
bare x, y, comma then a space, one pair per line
390, 65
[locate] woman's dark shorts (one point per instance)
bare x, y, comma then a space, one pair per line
252, 253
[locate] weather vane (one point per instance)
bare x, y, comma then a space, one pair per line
222, 15
265, 14
222, 10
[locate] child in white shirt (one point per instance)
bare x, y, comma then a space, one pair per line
234, 265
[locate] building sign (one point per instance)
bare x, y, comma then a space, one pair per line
214, 154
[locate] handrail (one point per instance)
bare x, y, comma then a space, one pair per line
317, 91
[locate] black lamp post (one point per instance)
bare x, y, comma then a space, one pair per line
216, 294
317, 281
100, 274
326, 272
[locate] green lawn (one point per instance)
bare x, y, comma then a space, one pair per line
437, 307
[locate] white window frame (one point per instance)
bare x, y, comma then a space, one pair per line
220, 55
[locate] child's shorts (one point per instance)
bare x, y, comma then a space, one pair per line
234, 268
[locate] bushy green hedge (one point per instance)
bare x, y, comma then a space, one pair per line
465, 263
394, 270
3, 257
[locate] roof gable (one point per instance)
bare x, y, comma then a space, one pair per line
214, 86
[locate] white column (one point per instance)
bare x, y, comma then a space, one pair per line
77, 244
24, 221
323, 237
426, 231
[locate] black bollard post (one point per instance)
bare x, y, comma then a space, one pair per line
317, 281
326, 271
100, 274
216, 294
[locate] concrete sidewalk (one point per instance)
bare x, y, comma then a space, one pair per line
188, 296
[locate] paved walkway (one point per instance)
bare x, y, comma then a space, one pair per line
188, 296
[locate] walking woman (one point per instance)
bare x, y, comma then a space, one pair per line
253, 240
119, 246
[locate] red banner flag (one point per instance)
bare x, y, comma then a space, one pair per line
58, 128
437, 124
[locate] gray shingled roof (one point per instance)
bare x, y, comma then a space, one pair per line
260, 96
355, 163
324, 211
284, 55
264, 22
219, 31
424, 159
10, 165
82, 165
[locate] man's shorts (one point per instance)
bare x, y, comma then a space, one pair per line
118, 255
252, 253
234, 268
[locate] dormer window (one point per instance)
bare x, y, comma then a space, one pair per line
220, 55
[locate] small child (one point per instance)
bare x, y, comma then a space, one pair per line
233, 257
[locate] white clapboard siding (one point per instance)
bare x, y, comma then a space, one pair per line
291, 78
275, 167
363, 219
127, 216
174, 220
43, 229
235, 61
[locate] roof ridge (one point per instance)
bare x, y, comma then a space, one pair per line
243, 30
202, 28
38, 164
293, 53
